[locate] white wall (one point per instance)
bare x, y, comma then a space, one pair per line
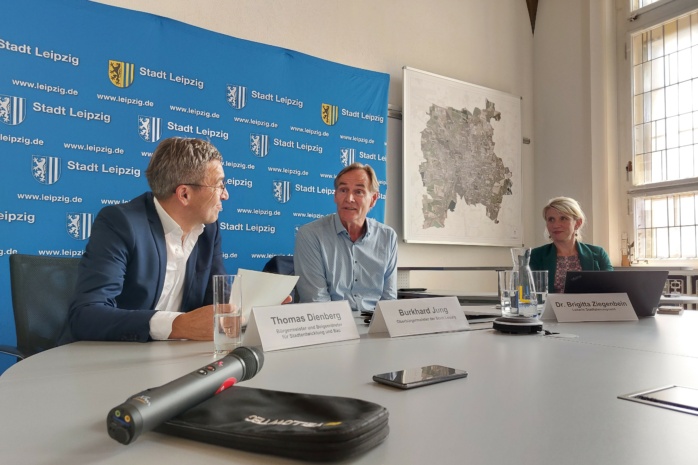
484, 42
561, 121
576, 123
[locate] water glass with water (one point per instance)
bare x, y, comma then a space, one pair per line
227, 313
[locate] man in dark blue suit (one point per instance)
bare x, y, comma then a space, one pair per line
147, 269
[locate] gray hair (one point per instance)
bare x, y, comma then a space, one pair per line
178, 161
372, 179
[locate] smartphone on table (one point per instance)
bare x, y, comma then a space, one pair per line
416, 377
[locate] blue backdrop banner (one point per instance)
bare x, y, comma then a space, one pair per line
87, 91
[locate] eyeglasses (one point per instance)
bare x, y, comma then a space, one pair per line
221, 186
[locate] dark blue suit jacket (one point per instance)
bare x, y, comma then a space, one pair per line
121, 274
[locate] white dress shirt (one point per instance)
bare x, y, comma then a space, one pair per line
178, 251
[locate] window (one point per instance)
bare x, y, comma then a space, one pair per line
637, 4
664, 60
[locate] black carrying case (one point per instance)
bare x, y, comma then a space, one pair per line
300, 426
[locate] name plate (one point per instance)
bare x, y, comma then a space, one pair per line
571, 308
286, 326
408, 317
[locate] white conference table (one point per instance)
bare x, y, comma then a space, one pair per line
528, 399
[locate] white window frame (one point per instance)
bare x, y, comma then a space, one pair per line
628, 23
634, 14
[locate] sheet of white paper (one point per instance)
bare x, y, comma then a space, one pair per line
261, 289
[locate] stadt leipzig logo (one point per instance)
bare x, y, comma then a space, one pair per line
236, 96
149, 128
347, 156
121, 73
329, 113
12, 109
46, 170
78, 225
259, 145
282, 191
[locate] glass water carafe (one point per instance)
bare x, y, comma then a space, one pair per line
523, 299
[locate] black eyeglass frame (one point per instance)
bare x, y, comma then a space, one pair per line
223, 187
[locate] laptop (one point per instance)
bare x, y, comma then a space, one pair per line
644, 287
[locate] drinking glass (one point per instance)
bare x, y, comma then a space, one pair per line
506, 292
227, 313
540, 282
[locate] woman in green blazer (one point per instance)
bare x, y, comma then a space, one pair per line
564, 220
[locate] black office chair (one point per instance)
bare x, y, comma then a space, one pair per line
282, 264
42, 288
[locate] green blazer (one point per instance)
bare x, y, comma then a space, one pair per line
591, 257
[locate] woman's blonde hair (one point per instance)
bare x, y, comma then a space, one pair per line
569, 207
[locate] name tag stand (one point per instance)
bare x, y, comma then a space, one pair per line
286, 326
571, 308
408, 317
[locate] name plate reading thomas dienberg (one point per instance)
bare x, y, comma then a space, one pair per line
286, 326
409, 317
571, 308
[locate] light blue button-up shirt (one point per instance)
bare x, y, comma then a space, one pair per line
332, 267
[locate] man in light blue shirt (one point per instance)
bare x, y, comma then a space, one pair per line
346, 256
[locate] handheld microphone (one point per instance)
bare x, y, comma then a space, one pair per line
148, 409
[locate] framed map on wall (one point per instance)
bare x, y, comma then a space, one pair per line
461, 162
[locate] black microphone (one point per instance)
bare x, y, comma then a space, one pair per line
148, 409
